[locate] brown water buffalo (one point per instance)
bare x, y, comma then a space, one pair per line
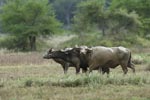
66, 58
84, 59
104, 57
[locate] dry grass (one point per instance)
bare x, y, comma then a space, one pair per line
21, 58
147, 67
26, 76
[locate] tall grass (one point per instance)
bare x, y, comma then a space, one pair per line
93, 79
96, 79
19, 58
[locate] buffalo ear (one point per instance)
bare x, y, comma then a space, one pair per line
89, 51
51, 49
62, 50
66, 53
76, 50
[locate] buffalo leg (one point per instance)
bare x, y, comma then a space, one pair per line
65, 69
77, 68
100, 70
105, 70
132, 67
91, 67
108, 70
124, 68
90, 70
84, 70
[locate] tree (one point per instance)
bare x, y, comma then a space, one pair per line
90, 12
96, 13
65, 10
141, 7
122, 20
27, 19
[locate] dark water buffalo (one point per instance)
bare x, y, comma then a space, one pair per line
104, 57
66, 58
78, 51
63, 63
75, 52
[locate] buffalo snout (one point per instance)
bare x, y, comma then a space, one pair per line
46, 56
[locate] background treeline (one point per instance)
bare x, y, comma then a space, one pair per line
27, 24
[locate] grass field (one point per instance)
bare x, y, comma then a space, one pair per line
27, 76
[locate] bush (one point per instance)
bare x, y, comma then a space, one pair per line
90, 80
108, 40
12, 42
138, 59
6, 42
19, 43
98, 80
29, 83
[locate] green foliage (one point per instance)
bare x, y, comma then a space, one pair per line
141, 7
34, 82
110, 21
13, 42
115, 22
25, 18
92, 39
124, 21
92, 80
28, 17
28, 83
139, 59
88, 12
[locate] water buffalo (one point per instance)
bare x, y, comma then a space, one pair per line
104, 57
78, 50
63, 63
66, 59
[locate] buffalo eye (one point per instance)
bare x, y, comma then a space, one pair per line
66, 53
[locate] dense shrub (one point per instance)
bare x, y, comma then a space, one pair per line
138, 59
108, 40
12, 42
20, 43
7, 42
92, 80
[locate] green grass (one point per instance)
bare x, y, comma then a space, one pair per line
83, 80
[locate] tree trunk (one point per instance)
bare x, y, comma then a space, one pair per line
103, 31
68, 20
32, 43
103, 27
